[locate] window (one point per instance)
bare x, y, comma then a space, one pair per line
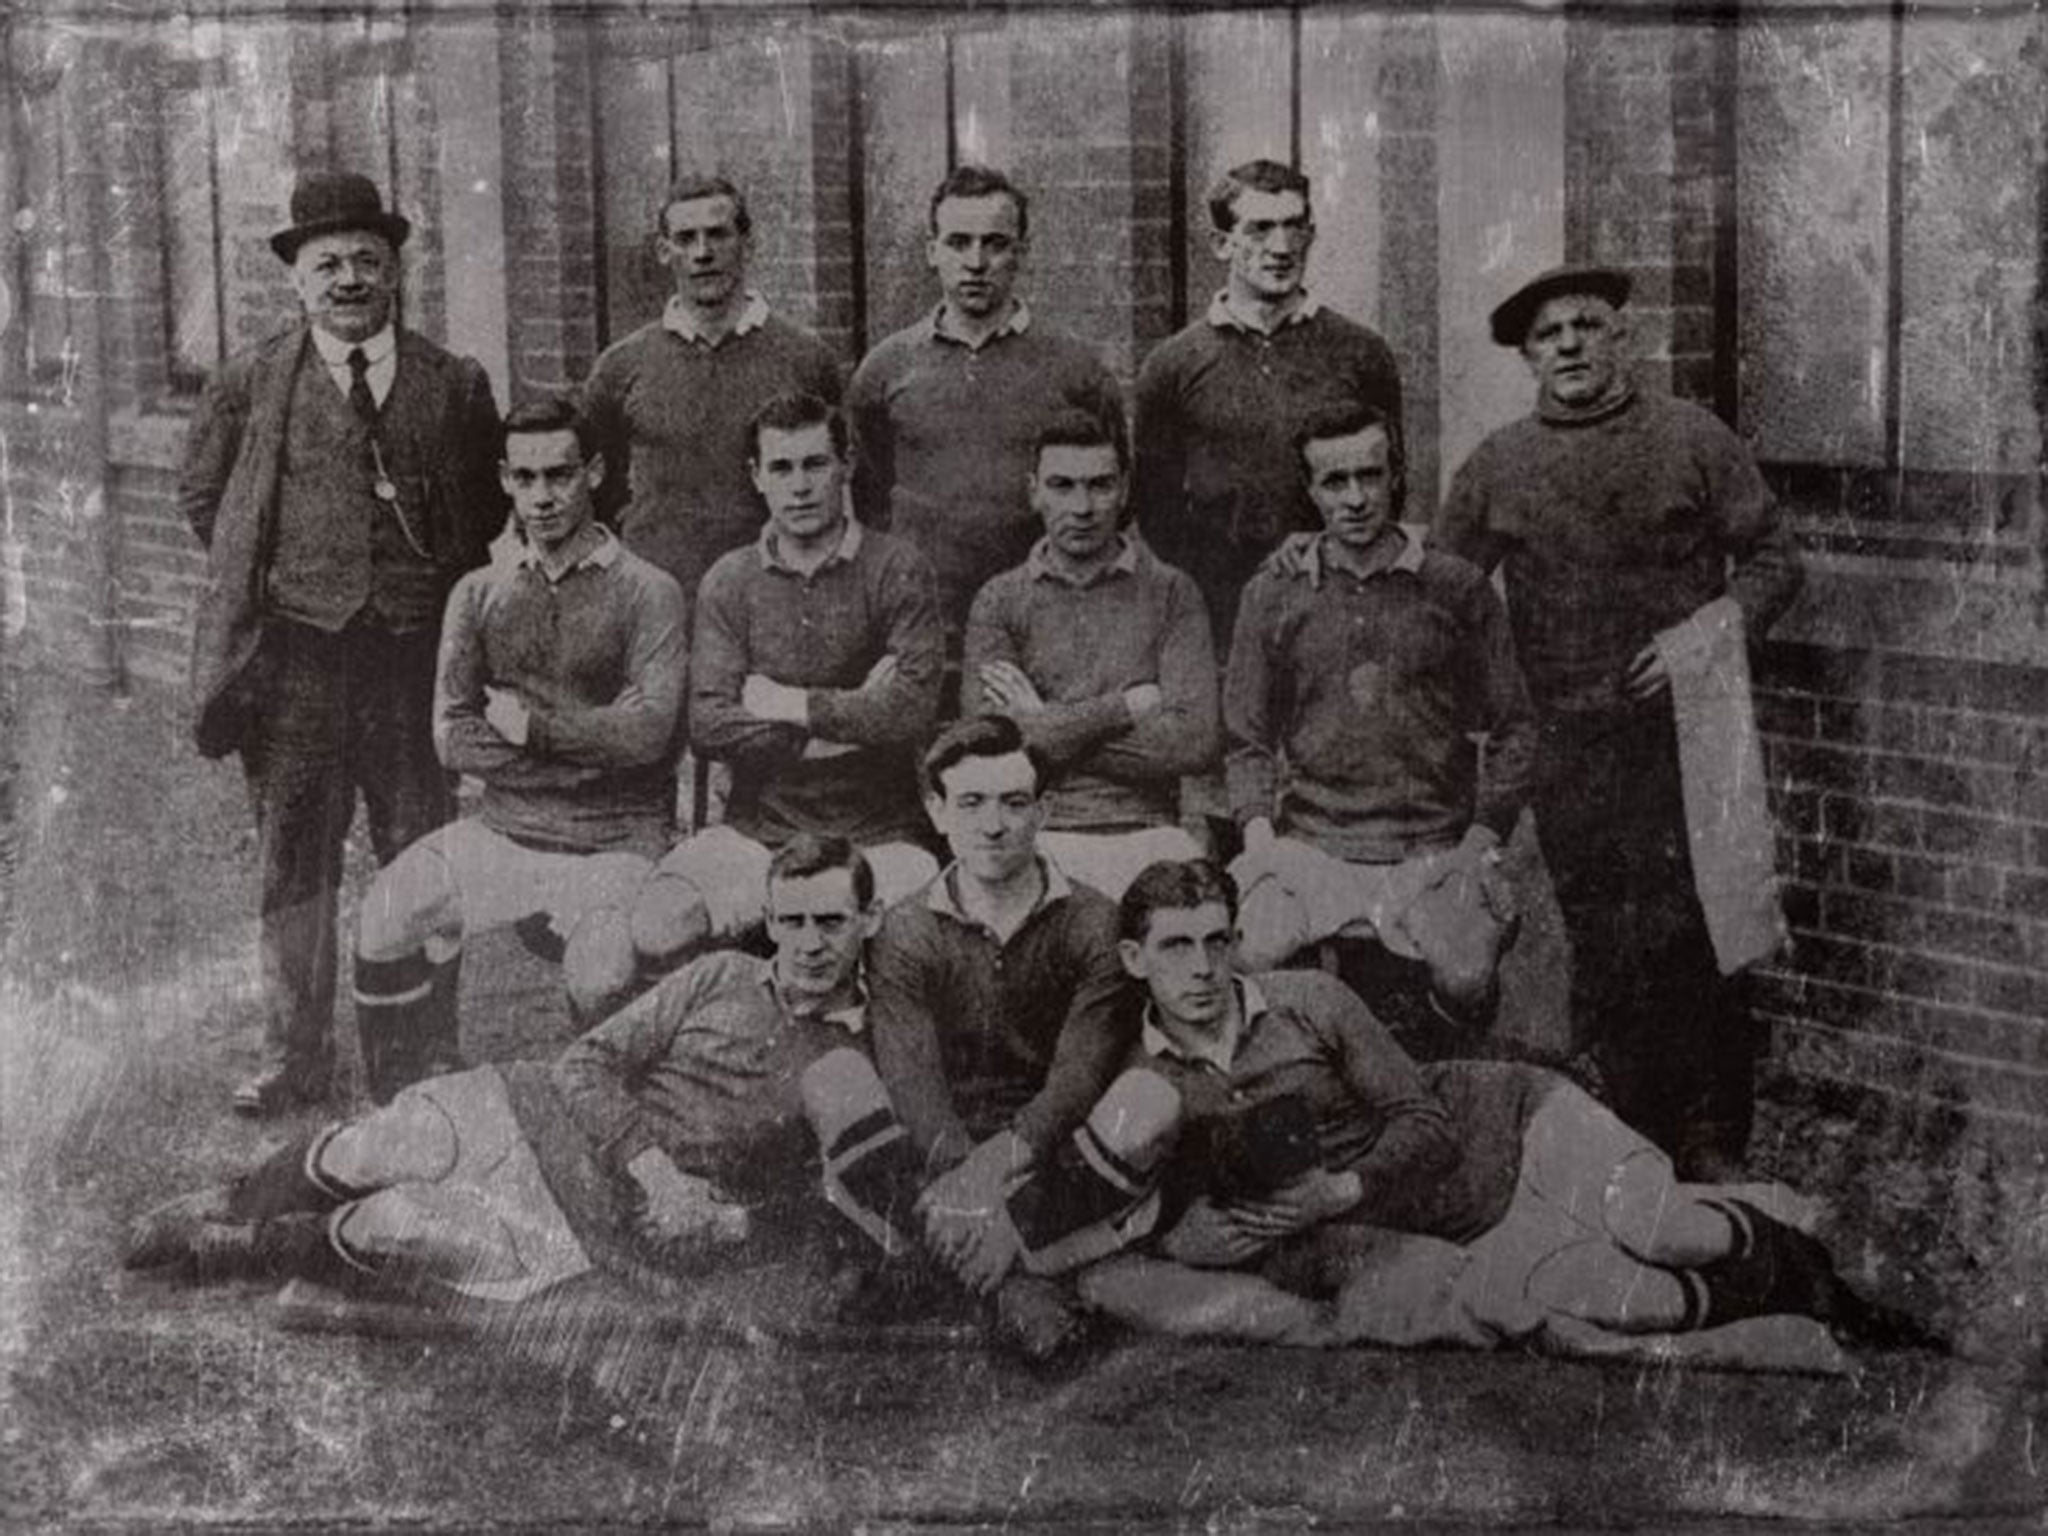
190, 177
1888, 231
35, 182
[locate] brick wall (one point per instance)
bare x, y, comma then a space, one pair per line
835, 278
1148, 186
1646, 178
1908, 783
1078, 111
47, 512
552, 289
1914, 817
1410, 80
125, 122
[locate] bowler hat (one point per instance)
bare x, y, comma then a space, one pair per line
327, 202
1512, 319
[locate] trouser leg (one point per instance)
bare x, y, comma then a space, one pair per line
406, 791
299, 786
1716, 1121
1648, 1002
406, 795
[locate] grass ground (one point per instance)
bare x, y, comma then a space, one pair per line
127, 1003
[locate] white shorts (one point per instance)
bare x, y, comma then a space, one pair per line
1574, 1151
730, 871
1296, 895
1405, 1289
485, 1224
1110, 861
464, 878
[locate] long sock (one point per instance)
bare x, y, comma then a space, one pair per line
1069, 1211
1093, 1195
872, 1177
441, 1036
310, 1247
337, 1261
872, 1171
1777, 1268
290, 1179
405, 1018
1768, 1268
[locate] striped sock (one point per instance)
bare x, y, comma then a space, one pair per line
405, 1019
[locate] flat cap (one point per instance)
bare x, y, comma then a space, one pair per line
1515, 314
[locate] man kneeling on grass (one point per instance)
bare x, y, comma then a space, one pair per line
1324, 1189
659, 1137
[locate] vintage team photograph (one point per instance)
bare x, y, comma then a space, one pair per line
1089, 766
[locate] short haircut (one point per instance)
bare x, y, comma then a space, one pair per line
1173, 885
690, 189
1077, 428
979, 736
792, 411
548, 413
813, 853
1348, 421
981, 181
1252, 176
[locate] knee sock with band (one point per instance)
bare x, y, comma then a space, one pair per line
406, 1019
290, 1180
872, 1172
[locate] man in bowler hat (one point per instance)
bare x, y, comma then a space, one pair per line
341, 476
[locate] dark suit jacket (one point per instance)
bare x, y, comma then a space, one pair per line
227, 491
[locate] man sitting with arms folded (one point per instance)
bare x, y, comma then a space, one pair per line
1307, 1141
1102, 655
559, 681
665, 1134
815, 670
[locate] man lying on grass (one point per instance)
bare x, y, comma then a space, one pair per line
657, 1140
1324, 1189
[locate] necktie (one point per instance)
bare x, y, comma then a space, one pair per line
359, 394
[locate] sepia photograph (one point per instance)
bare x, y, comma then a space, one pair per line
803, 764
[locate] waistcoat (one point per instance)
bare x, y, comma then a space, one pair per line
341, 551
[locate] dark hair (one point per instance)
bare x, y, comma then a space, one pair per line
792, 411
1077, 428
814, 853
690, 189
980, 181
1348, 421
548, 413
1252, 176
979, 736
1173, 885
